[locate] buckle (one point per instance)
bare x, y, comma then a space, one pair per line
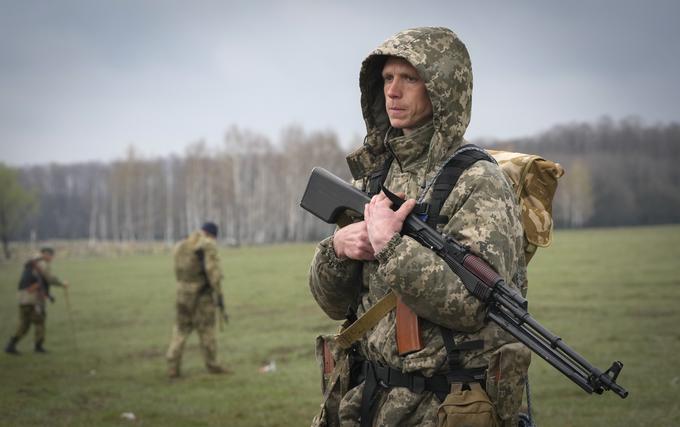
421, 209
382, 374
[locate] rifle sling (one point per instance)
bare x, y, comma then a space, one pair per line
369, 319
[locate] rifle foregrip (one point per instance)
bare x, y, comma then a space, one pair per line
482, 270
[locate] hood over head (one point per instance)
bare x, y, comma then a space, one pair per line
442, 61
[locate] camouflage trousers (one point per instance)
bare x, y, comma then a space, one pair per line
31, 314
194, 312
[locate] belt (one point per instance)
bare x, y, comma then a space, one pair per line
375, 375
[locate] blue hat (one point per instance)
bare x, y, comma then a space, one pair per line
210, 228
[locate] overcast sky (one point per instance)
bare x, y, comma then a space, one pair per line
82, 80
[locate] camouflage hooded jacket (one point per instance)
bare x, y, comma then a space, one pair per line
482, 211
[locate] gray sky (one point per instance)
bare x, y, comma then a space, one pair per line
82, 80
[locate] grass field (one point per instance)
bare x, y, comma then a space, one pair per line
611, 294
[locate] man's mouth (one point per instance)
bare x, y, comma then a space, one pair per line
396, 111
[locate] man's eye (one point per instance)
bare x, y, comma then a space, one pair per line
388, 78
411, 79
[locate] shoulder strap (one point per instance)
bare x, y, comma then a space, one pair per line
443, 184
369, 319
447, 178
377, 178
454, 350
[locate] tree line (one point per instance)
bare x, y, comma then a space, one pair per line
618, 173
248, 186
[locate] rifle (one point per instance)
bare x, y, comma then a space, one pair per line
222, 317
328, 197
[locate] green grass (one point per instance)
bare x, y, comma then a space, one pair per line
611, 294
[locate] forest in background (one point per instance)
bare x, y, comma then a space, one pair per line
617, 173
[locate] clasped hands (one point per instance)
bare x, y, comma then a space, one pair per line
362, 240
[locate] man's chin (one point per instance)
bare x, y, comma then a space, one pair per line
398, 124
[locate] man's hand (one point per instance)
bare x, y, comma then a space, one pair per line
352, 242
65, 284
382, 222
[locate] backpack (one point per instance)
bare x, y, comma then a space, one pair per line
535, 182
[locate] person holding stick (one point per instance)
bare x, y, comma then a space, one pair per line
34, 289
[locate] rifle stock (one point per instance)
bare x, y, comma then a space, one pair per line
327, 196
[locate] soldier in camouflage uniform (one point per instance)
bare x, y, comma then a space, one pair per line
416, 98
199, 293
34, 289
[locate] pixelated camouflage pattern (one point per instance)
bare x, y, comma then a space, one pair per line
506, 376
443, 63
483, 213
535, 182
334, 385
194, 312
195, 309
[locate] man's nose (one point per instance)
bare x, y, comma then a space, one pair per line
393, 89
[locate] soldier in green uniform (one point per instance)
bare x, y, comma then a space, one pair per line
416, 100
199, 293
34, 289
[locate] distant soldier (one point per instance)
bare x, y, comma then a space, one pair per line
199, 293
34, 288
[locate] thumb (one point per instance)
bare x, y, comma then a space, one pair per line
405, 209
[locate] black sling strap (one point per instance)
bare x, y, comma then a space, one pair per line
454, 355
447, 178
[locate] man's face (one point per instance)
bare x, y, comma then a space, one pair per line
47, 256
406, 101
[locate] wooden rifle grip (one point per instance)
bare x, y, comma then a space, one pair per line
328, 362
408, 330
